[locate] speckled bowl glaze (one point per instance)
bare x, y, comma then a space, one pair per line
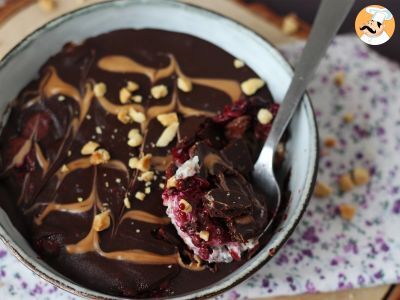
22, 64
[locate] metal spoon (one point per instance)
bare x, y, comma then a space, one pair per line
330, 16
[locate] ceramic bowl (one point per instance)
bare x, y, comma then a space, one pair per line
21, 65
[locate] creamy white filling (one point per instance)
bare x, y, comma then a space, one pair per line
188, 169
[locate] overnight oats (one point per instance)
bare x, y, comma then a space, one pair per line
127, 163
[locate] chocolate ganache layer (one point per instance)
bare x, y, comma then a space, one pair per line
87, 145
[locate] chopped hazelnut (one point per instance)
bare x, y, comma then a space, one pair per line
133, 162
167, 119
137, 116
185, 206
64, 169
360, 176
124, 95
290, 24
237, 63
100, 156
147, 190
140, 196
168, 135
159, 91
252, 85
135, 139
89, 148
144, 163
346, 183
347, 211
146, 176
330, 142
100, 89
322, 190
123, 116
132, 86
204, 235
127, 203
184, 84
171, 182
264, 116
102, 221
47, 5
137, 98
348, 118
339, 78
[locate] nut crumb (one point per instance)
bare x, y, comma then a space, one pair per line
339, 78
251, 86
127, 203
79, 199
346, 183
147, 190
123, 116
100, 89
47, 5
185, 85
290, 24
348, 118
100, 156
98, 130
204, 235
171, 182
185, 206
264, 116
167, 119
146, 176
140, 196
137, 98
347, 211
144, 163
159, 91
135, 139
61, 98
64, 168
137, 116
330, 142
360, 176
101, 221
89, 148
322, 190
238, 64
132, 86
161, 185
133, 162
167, 135
124, 95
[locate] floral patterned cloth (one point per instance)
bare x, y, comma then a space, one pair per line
325, 252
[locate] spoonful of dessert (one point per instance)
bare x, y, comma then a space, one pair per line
330, 16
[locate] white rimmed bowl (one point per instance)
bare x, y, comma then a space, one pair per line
22, 63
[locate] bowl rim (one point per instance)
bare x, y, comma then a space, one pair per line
81, 291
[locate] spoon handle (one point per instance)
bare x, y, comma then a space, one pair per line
330, 16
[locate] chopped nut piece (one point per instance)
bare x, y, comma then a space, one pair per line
144, 163
100, 89
100, 156
123, 116
171, 182
237, 63
360, 176
159, 91
137, 98
339, 78
79, 199
185, 206
133, 162
132, 86
140, 196
137, 116
204, 235
127, 203
347, 211
147, 190
184, 84
135, 139
101, 221
146, 176
98, 130
64, 169
346, 183
168, 135
167, 119
124, 95
290, 24
264, 116
252, 85
47, 5
330, 142
322, 190
348, 118
89, 148
61, 98
161, 185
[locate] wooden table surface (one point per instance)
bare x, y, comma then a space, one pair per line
20, 17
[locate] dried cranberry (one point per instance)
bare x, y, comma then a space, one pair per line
235, 256
38, 124
231, 111
204, 253
236, 128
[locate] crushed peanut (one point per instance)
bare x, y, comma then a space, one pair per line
348, 118
146, 176
137, 98
79, 199
61, 98
89, 148
167, 119
347, 211
123, 116
159, 91
290, 24
47, 5
144, 163
360, 176
124, 95
161, 185
168, 135
264, 116
204, 235
132, 86
251, 86
147, 190
171, 182
137, 116
101, 221
64, 169
339, 78
127, 203
237, 63
346, 183
330, 142
133, 162
100, 89
135, 139
184, 84
185, 206
100, 156
322, 190
140, 196
98, 130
